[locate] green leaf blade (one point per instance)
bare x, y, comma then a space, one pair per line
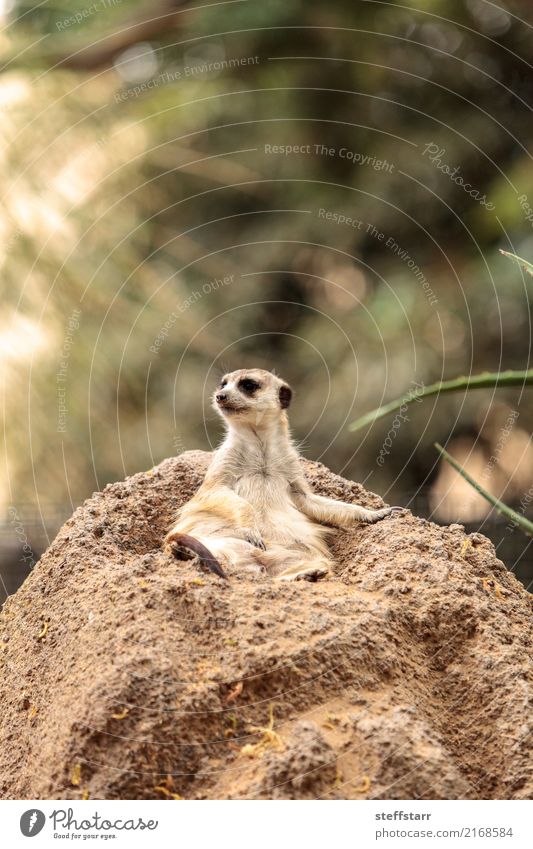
524, 524
486, 380
523, 263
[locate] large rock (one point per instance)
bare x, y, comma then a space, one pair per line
127, 674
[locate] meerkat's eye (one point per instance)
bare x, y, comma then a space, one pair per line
249, 386
223, 383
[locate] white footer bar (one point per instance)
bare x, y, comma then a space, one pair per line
264, 825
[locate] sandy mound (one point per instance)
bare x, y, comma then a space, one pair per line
126, 674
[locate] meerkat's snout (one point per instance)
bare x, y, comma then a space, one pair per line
221, 398
229, 398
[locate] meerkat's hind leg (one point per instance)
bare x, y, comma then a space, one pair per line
185, 547
180, 552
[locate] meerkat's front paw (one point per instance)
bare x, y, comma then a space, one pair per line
378, 515
254, 538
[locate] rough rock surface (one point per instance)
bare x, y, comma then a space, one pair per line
126, 674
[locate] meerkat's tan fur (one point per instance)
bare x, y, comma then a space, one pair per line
255, 508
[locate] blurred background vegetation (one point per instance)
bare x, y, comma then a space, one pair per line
174, 179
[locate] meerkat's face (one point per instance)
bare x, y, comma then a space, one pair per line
252, 396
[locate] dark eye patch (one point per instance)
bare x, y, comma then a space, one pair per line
249, 386
223, 383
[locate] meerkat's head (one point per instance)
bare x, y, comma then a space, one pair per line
251, 396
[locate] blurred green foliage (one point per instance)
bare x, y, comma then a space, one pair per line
139, 165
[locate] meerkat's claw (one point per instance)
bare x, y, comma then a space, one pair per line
254, 539
378, 515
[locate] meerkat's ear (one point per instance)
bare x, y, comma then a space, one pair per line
285, 395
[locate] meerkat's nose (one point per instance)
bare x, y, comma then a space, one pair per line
220, 396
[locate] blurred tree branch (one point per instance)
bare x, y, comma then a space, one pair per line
155, 22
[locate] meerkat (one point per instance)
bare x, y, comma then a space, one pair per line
255, 509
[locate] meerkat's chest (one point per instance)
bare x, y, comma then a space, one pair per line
262, 489
278, 519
